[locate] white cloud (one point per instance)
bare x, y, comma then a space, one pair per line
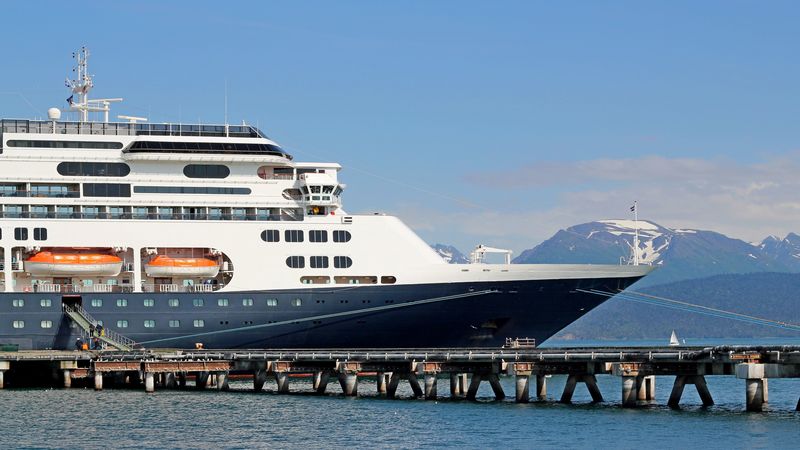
745, 201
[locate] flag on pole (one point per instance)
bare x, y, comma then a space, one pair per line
69, 100
633, 208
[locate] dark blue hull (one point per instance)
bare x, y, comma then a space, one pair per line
430, 315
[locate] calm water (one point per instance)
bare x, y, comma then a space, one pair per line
81, 418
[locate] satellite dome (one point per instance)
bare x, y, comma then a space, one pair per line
54, 113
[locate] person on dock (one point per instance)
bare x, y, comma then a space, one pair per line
79, 344
92, 330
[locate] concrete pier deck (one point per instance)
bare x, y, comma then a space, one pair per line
465, 368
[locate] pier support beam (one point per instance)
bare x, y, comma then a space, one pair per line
646, 388
458, 385
201, 380
98, 381
182, 380
149, 382
391, 387
541, 387
414, 383
474, 384
349, 383
4, 365
381, 383
282, 380
523, 380
699, 382
430, 386
67, 367
591, 385
222, 381
259, 378
321, 381
755, 390
348, 377
170, 382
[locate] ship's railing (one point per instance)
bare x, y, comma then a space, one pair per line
128, 129
520, 342
147, 216
75, 288
170, 288
18, 193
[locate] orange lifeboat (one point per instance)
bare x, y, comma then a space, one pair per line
167, 266
47, 263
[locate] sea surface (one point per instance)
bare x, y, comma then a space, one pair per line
240, 418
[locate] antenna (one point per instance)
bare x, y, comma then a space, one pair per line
635, 209
226, 106
81, 85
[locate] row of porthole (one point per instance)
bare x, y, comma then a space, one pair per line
299, 236
149, 302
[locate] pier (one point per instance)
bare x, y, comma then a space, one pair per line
423, 370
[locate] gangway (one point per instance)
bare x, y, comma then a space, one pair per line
88, 324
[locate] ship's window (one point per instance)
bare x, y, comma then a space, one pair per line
355, 280
174, 323
106, 190
296, 262
190, 190
315, 280
21, 234
66, 144
293, 236
297, 302
46, 324
149, 303
222, 302
45, 303
388, 279
318, 262
97, 302
18, 324
210, 147
149, 323
173, 302
122, 302
247, 302
342, 262
341, 236
40, 234
18, 303
122, 324
270, 236
198, 302
93, 169
199, 323
206, 171
272, 302
318, 236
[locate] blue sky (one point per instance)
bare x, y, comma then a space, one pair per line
492, 122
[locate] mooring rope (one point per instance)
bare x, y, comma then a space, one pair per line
679, 305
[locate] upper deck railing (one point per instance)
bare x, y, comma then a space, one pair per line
128, 129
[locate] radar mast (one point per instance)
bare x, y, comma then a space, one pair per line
81, 86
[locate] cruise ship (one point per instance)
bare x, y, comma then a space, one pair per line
175, 236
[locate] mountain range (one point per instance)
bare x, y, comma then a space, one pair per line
698, 266
679, 254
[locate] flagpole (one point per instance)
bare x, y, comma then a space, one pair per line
636, 232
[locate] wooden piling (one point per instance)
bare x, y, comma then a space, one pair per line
259, 378
541, 387
430, 386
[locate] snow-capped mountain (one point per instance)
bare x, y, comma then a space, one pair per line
450, 254
680, 253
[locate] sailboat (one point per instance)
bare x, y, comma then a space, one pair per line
673, 340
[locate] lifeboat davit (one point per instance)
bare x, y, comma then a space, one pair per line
167, 266
57, 264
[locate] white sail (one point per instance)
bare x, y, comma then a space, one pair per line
673, 339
